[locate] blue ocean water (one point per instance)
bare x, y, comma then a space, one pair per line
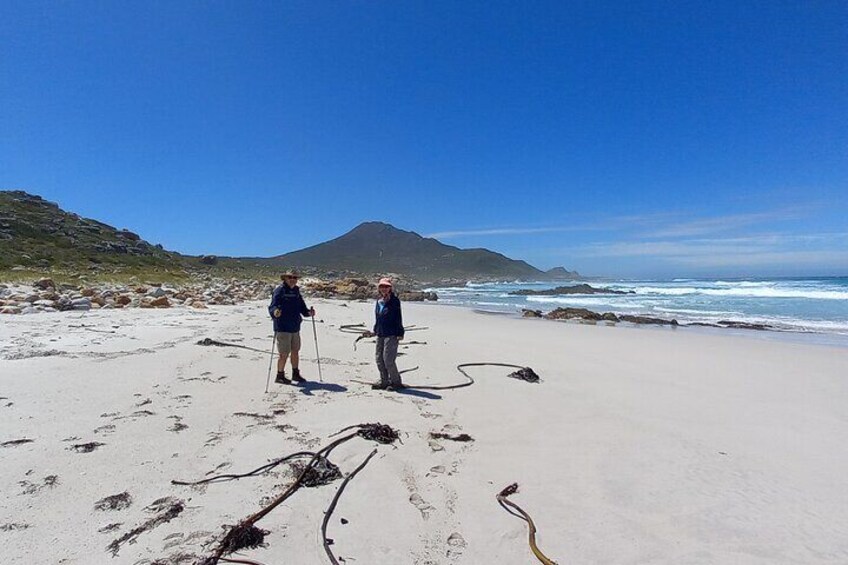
817, 305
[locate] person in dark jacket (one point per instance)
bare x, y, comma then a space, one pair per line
388, 327
287, 307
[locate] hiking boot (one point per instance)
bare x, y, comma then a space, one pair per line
379, 386
296, 376
394, 387
281, 378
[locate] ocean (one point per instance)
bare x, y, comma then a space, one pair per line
815, 307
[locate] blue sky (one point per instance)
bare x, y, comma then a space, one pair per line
626, 139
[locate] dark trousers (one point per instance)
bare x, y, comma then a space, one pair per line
386, 356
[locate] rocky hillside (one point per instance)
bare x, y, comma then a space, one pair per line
376, 247
37, 233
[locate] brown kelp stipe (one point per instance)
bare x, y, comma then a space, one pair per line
523, 373
516, 511
365, 333
247, 532
327, 541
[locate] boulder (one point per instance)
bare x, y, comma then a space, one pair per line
44, 283
87, 292
573, 314
531, 313
161, 302
156, 292
122, 300
81, 304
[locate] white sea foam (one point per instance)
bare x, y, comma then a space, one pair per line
746, 292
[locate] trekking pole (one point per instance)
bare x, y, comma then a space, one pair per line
271, 362
317, 355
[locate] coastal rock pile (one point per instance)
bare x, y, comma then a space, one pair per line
44, 295
589, 315
358, 289
575, 289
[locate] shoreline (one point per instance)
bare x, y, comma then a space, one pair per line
788, 336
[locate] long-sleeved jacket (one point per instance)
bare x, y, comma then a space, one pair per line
291, 306
389, 322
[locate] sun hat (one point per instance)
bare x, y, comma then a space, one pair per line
385, 282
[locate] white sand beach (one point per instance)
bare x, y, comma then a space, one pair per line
640, 445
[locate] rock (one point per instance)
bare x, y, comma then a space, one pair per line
576, 289
744, 325
573, 314
156, 292
531, 313
45, 303
87, 292
81, 304
208, 259
161, 302
44, 283
199, 305
417, 296
123, 300
647, 320
609, 317
10, 310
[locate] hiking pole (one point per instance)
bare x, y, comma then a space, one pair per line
271, 362
317, 355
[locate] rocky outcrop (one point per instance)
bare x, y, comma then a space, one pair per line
575, 289
647, 320
589, 315
573, 314
359, 289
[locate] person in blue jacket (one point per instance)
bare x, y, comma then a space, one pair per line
388, 327
287, 307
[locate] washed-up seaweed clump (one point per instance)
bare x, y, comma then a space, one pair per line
168, 508
381, 433
243, 536
16, 442
525, 374
321, 472
459, 437
114, 502
86, 447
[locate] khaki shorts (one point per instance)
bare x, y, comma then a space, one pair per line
288, 342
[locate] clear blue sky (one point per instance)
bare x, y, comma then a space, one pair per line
631, 139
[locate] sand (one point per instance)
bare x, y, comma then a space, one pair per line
640, 445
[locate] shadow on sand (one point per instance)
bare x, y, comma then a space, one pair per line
309, 387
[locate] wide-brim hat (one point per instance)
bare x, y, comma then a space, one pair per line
291, 273
385, 282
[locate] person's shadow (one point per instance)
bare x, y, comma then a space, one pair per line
308, 387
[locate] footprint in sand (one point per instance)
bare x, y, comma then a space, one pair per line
422, 505
456, 545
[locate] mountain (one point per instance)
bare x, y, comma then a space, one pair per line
37, 233
562, 274
376, 247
